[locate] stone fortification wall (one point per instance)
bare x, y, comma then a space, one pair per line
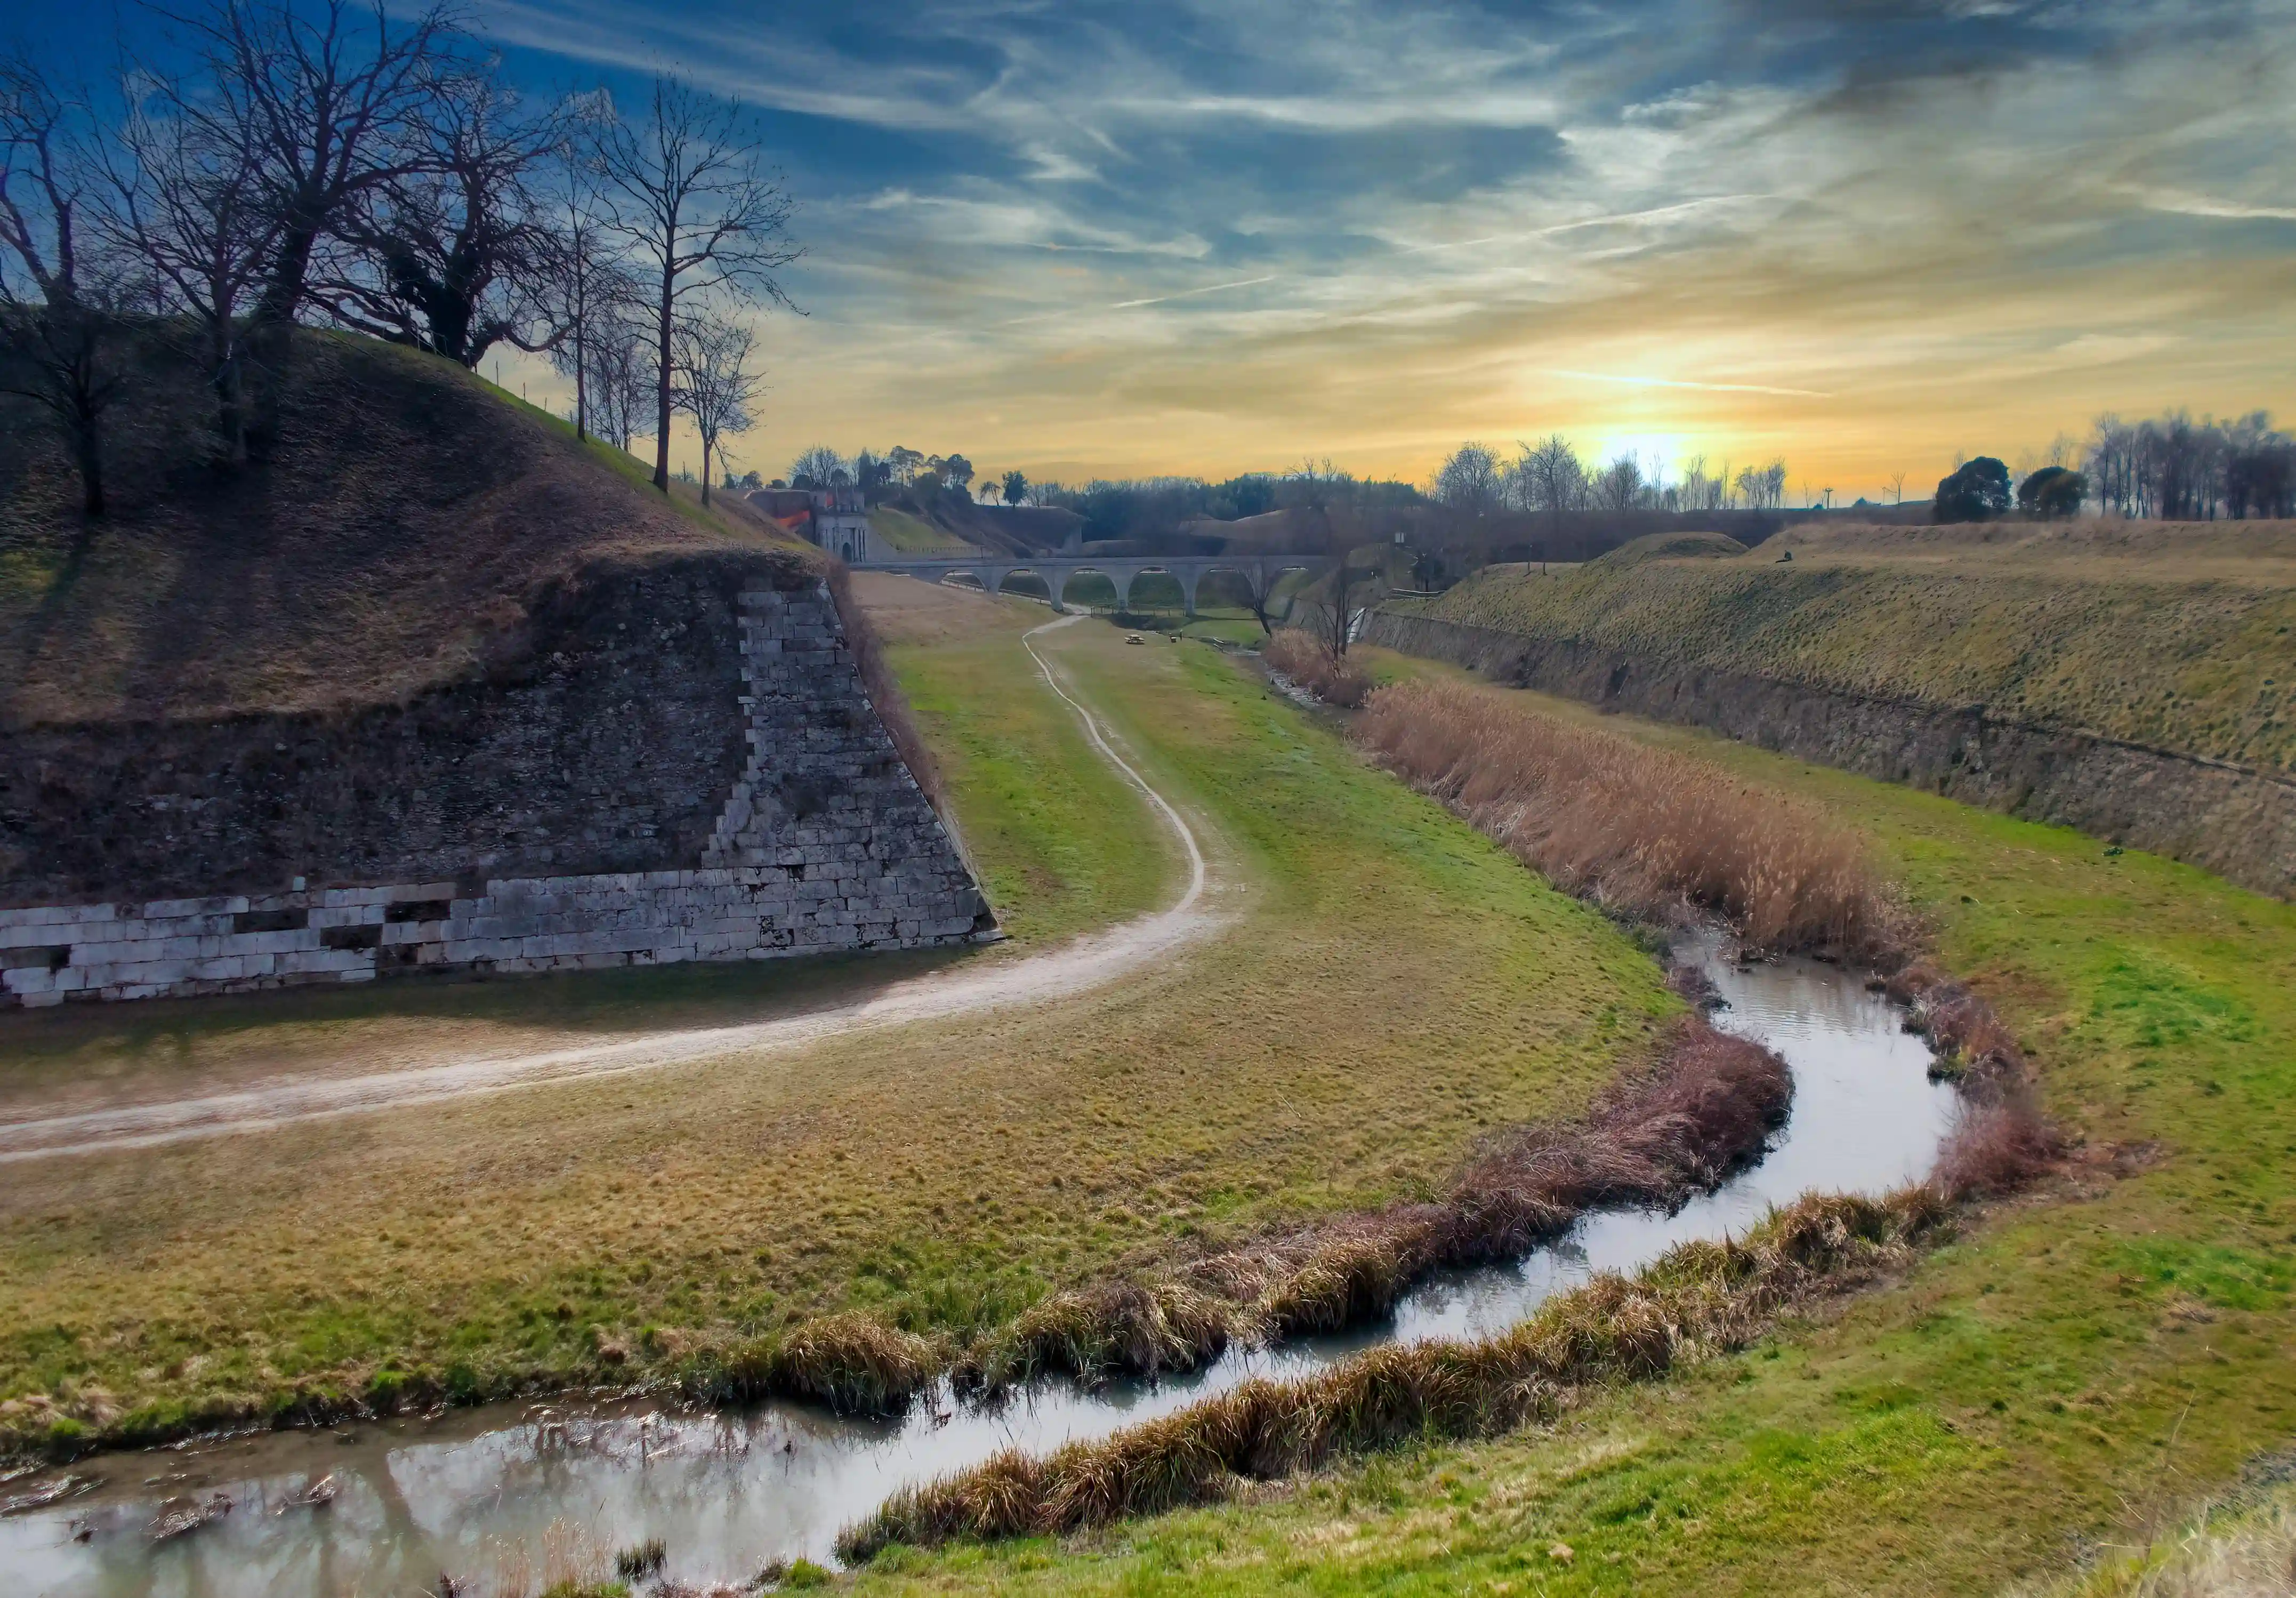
2237, 822
683, 765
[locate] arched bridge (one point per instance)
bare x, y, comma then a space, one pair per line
1056, 570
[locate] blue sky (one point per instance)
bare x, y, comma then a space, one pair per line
1868, 235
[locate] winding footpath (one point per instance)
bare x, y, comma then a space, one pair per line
1074, 968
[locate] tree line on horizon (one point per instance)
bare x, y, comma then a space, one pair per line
318, 162
2168, 468
1550, 478
1110, 509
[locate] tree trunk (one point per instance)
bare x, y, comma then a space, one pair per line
231, 411
88, 443
269, 340
705, 470
581, 384
661, 387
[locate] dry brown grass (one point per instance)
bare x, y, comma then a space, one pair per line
2250, 1554
853, 1362
1303, 658
1700, 1298
398, 537
1644, 831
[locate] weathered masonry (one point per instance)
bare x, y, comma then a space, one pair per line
681, 763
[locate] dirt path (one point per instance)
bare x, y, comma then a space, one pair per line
1089, 963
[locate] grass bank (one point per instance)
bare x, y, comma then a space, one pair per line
2055, 1390
1392, 987
2182, 638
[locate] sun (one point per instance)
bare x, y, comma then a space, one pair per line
1652, 451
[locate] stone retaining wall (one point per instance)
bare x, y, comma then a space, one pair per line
2239, 823
824, 843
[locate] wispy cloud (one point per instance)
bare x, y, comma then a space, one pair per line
2180, 203
1078, 311
1209, 288
1625, 380
1401, 213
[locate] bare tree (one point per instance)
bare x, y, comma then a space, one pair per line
455, 255
188, 208
618, 381
1763, 488
1619, 486
1550, 479
58, 344
819, 466
588, 294
716, 386
327, 102
1700, 491
1897, 486
1471, 481
2173, 469
1350, 586
702, 217
1261, 577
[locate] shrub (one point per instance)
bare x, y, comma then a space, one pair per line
642, 1559
1977, 491
1303, 658
2052, 493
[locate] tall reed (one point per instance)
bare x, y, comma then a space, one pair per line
1645, 831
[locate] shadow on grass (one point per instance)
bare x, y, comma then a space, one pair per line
598, 1003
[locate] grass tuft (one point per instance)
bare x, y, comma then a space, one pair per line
850, 1363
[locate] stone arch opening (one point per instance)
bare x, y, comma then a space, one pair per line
1087, 588
1026, 582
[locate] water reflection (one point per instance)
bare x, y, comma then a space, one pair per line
476, 1491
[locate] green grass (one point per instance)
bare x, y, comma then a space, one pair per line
1390, 985
2071, 1377
2141, 652
1059, 841
911, 535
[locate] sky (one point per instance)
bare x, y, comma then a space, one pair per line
1206, 236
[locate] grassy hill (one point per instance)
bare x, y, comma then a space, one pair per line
913, 535
2181, 638
408, 516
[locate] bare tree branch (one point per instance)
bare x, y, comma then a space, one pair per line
701, 216
716, 386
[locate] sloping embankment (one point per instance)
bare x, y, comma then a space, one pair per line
433, 686
2233, 819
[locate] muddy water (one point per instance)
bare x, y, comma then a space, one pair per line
485, 1494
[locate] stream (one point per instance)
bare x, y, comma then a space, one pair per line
485, 1494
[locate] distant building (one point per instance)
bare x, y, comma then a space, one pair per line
837, 519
